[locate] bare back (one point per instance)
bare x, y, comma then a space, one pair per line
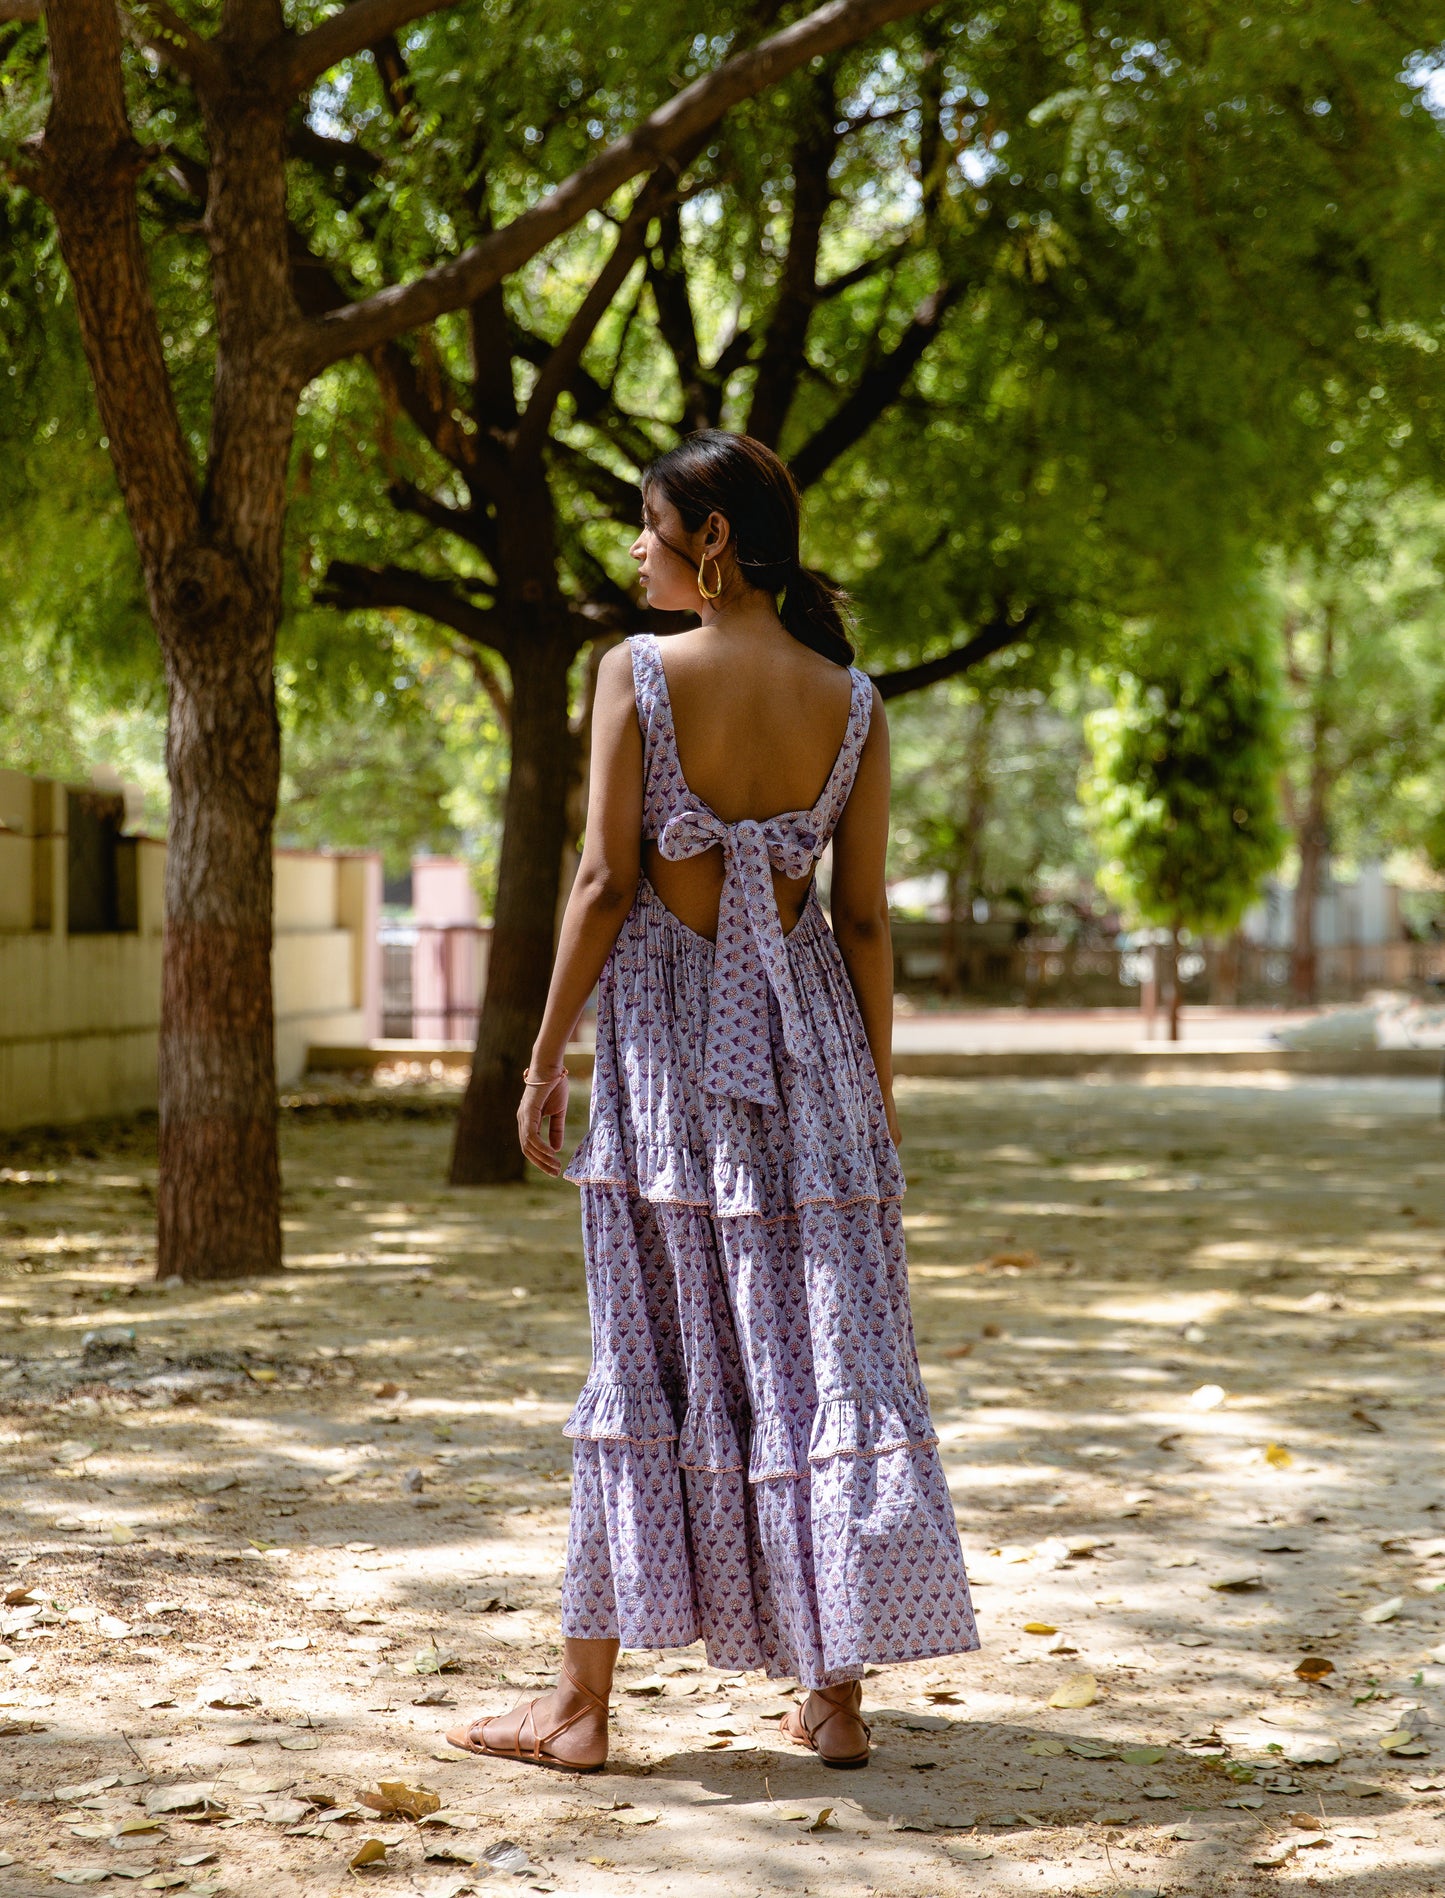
759, 724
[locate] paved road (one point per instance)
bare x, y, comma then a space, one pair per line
994, 1030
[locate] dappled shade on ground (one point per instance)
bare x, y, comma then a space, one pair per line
1184, 1349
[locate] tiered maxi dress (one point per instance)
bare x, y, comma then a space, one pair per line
754, 1463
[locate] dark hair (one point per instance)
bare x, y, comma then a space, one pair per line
746, 483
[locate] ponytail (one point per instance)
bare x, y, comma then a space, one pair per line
812, 609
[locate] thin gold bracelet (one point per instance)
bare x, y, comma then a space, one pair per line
543, 1080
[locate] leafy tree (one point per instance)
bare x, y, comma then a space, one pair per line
1182, 789
1362, 627
199, 417
985, 774
1055, 316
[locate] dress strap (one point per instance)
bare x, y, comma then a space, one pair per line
662, 780
839, 787
646, 665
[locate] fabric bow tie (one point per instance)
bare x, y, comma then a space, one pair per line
750, 954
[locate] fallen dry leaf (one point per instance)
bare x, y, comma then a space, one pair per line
1273, 1855
1314, 1667
1079, 1690
1383, 1610
1404, 1744
1277, 1456
393, 1799
369, 1852
447, 1854
1039, 1627
194, 1796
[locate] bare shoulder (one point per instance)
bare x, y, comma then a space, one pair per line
614, 700
615, 665
614, 677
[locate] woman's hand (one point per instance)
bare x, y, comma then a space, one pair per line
892, 1112
544, 1100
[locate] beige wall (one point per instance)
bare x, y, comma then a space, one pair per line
79, 1014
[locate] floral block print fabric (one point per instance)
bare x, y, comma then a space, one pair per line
754, 1462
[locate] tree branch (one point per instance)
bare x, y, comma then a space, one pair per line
567, 351
694, 110
876, 389
676, 324
356, 589
1000, 632
85, 166
475, 457
869, 267
298, 62
619, 499
465, 523
782, 357
153, 24
596, 406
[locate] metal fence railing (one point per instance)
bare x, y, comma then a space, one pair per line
1042, 972
432, 977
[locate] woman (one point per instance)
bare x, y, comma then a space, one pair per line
754, 1462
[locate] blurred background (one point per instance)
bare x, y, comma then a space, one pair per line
1105, 345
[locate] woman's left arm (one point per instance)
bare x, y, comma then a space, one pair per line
601, 896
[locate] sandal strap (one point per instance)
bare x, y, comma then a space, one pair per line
543, 1739
835, 1707
598, 1700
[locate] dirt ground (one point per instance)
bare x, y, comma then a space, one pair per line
1184, 1346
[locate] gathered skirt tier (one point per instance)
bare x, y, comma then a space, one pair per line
754, 1461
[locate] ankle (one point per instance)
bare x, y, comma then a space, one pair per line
577, 1687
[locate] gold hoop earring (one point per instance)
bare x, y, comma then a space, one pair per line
702, 584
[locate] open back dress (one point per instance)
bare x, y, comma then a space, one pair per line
754, 1463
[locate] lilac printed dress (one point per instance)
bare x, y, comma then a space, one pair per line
754, 1463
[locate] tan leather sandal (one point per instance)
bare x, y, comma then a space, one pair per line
469, 1738
805, 1735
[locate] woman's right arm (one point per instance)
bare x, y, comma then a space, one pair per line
601, 895
859, 900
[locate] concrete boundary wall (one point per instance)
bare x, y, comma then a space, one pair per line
80, 1013
1201, 1062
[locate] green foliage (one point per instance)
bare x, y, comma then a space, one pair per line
1182, 788
1362, 623
1195, 282
985, 777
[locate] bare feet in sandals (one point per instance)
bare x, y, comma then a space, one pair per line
830, 1722
566, 1729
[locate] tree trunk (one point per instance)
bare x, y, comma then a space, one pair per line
1174, 995
486, 1150
219, 1202
1304, 959
948, 975
1149, 988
